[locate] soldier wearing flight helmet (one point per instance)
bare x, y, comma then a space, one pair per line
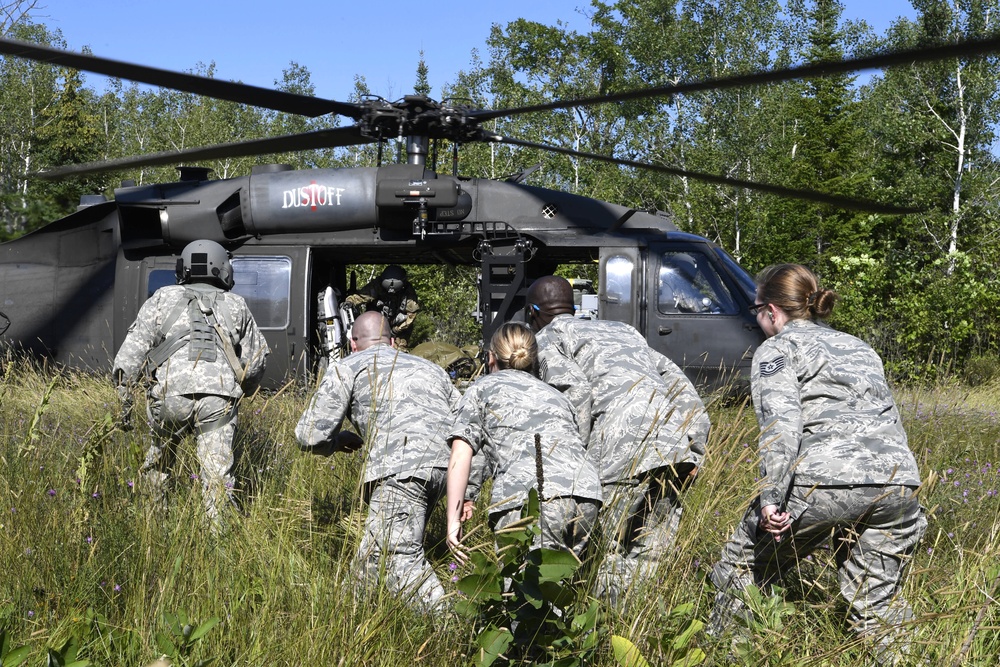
196, 348
391, 294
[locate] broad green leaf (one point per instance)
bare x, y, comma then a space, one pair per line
69, 651
16, 656
528, 591
682, 610
557, 593
682, 639
492, 642
588, 619
202, 629
531, 507
165, 645
553, 565
478, 587
626, 653
694, 657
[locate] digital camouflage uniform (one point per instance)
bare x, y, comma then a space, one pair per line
645, 428
196, 388
499, 416
401, 405
400, 309
835, 456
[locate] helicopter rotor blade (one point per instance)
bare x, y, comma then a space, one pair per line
303, 105
327, 138
792, 193
962, 49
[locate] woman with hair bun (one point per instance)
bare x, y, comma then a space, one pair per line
498, 418
834, 462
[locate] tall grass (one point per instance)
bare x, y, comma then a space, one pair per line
83, 556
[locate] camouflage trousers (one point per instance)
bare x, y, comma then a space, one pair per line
639, 523
393, 542
875, 530
566, 523
213, 421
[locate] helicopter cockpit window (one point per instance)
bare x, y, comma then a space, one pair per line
265, 283
619, 285
742, 277
618, 280
689, 283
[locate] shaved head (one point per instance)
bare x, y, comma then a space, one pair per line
369, 329
547, 297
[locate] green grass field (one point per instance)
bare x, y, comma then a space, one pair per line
90, 571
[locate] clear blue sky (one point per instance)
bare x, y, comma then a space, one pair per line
254, 41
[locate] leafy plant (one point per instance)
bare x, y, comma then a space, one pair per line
765, 623
67, 656
183, 637
527, 602
11, 657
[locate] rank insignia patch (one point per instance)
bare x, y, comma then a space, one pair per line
768, 368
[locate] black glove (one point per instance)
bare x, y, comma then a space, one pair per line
125, 423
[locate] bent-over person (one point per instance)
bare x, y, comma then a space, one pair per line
401, 405
497, 420
642, 420
835, 464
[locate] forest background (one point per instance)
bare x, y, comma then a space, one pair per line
919, 287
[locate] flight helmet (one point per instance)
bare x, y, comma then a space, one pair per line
205, 262
393, 279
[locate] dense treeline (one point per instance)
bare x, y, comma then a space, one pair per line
919, 287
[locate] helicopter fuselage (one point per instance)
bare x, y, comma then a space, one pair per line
72, 288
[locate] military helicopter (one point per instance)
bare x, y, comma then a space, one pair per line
71, 289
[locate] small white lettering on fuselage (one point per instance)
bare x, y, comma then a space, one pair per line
311, 196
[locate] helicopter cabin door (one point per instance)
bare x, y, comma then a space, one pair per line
695, 313
272, 280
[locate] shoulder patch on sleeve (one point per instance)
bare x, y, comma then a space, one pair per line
768, 368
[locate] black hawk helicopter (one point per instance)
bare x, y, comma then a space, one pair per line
71, 289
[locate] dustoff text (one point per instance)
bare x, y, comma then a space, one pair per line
311, 196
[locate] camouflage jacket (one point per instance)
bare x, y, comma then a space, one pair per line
826, 414
180, 374
636, 409
400, 309
499, 415
400, 404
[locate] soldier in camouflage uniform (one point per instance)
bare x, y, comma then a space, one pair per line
498, 418
198, 349
391, 294
401, 405
834, 462
642, 420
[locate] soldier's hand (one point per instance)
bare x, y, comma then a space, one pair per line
348, 442
454, 540
775, 522
125, 421
468, 507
